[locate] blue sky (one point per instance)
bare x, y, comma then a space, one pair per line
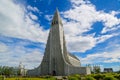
92, 30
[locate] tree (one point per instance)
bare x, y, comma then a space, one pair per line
7, 71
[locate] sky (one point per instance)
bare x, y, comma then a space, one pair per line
92, 31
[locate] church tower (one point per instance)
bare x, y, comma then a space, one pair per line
55, 52
56, 60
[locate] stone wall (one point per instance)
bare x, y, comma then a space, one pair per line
69, 69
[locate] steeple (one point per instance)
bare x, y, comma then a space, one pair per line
56, 18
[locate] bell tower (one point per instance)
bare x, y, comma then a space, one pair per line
53, 60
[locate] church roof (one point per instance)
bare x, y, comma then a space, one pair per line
73, 56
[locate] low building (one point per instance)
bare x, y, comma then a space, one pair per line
108, 70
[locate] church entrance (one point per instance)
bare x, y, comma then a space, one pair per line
54, 73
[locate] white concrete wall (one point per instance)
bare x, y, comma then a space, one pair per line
74, 61
77, 70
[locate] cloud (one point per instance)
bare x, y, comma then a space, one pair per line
80, 18
32, 16
3, 48
86, 14
33, 59
99, 58
80, 43
48, 17
109, 56
20, 24
12, 54
35, 9
103, 38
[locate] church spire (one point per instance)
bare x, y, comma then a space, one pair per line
56, 18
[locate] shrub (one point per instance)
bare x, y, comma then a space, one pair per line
99, 76
89, 78
77, 76
47, 76
72, 78
117, 76
52, 78
1, 77
109, 78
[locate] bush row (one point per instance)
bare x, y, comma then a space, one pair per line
106, 76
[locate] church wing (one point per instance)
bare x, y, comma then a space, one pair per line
74, 60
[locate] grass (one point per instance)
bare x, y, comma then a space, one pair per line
102, 76
25, 79
20, 78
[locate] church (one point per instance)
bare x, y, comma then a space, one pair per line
57, 61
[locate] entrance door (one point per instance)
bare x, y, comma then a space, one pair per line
54, 73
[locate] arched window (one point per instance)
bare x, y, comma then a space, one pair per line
54, 22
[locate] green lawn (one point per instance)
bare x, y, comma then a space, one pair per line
25, 79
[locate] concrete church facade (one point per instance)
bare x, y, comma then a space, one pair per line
56, 60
